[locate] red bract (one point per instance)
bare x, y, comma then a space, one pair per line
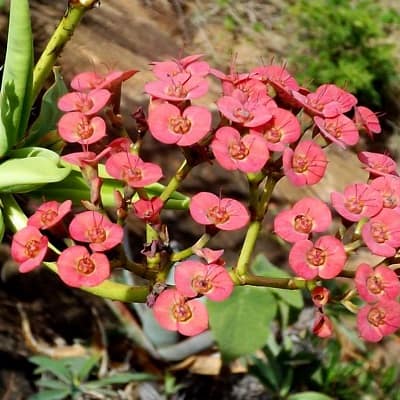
174, 313
226, 214
210, 256
248, 153
306, 216
376, 284
340, 130
148, 210
325, 258
76, 127
283, 129
86, 103
382, 233
367, 120
96, 229
133, 170
323, 327
320, 296
305, 165
378, 320
193, 278
168, 125
180, 87
82, 158
86, 81
77, 267
249, 112
358, 200
28, 248
377, 163
49, 214
388, 187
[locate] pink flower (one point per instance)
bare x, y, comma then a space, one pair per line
382, 233
226, 214
49, 214
77, 267
284, 128
193, 278
305, 165
168, 125
375, 284
378, 320
377, 163
340, 130
320, 296
249, 112
210, 256
182, 86
358, 200
306, 216
133, 170
148, 210
28, 248
388, 187
174, 313
367, 120
96, 229
76, 127
325, 258
86, 103
87, 81
82, 158
247, 154
323, 327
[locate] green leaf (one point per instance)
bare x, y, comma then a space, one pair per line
309, 396
55, 367
51, 395
240, 324
49, 112
85, 369
20, 175
52, 384
120, 379
16, 87
261, 266
2, 225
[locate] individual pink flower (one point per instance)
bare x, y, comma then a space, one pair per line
210, 256
77, 267
306, 164
323, 326
148, 210
367, 120
226, 214
49, 214
193, 278
247, 154
320, 296
382, 233
82, 158
182, 86
378, 320
175, 313
133, 170
28, 248
247, 111
375, 284
76, 127
377, 163
87, 81
168, 125
324, 258
357, 201
96, 229
283, 129
306, 216
86, 103
388, 187
340, 130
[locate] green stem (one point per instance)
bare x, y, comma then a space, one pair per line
266, 197
247, 249
54, 47
176, 180
113, 290
181, 255
281, 283
353, 245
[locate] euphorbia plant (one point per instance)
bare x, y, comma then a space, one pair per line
268, 128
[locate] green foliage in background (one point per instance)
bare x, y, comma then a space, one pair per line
345, 42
